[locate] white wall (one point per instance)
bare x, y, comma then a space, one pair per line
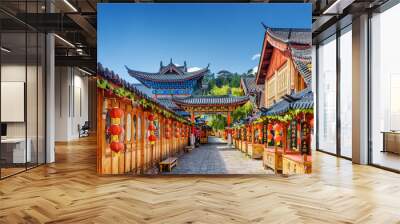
71, 94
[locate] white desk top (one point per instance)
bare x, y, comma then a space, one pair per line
13, 140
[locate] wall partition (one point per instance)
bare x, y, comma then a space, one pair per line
327, 95
345, 66
22, 77
334, 94
385, 89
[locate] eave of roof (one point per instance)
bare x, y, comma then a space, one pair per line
281, 38
211, 100
115, 79
300, 100
166, 78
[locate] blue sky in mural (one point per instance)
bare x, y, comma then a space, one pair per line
228, 36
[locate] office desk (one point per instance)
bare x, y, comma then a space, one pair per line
13, 150
391, 141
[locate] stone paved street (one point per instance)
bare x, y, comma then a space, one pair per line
217, 159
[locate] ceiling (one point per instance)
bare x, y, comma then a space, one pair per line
332, 15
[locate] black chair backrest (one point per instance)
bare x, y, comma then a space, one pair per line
86, 125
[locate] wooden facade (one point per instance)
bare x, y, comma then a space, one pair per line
281, 78
138, 154
280, 133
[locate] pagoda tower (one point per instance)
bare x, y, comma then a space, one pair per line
171, 81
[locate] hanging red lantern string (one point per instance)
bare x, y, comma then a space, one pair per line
269, 136
115, 129
152, 138
152, 127
278, 139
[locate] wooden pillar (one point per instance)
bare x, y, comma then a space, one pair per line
228, 122
284, 137
192, 138
101, 146
142, 141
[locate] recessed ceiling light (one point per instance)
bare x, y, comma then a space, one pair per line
70, 5
64, 40
84, 71
5, 50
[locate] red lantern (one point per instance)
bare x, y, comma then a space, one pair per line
312, 122
270, 136
150, 117
152, 127
115, 129
152, 138
278, 127
278, 138
269, 126
116, 112
116, 146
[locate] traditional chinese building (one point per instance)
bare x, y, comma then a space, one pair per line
287, 119
285, 63
175, 87
253, 91
171, 80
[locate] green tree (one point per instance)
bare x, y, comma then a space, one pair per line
242, 112
220, 91
217, 122
236, 91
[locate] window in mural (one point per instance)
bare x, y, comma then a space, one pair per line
139, 128
135, 127
157, 131
122, 135
108, 124
128, 127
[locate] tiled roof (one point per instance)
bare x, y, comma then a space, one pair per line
302, 61
144, 89
168, 103
249, 85
172, 67
296, 42
291, 35
300, 100
305, 101
183, 113
278, 108
169, 73
211, 100
166, 77
114, 78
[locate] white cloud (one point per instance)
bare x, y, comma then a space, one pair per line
256, 56
193, 69
254, 70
